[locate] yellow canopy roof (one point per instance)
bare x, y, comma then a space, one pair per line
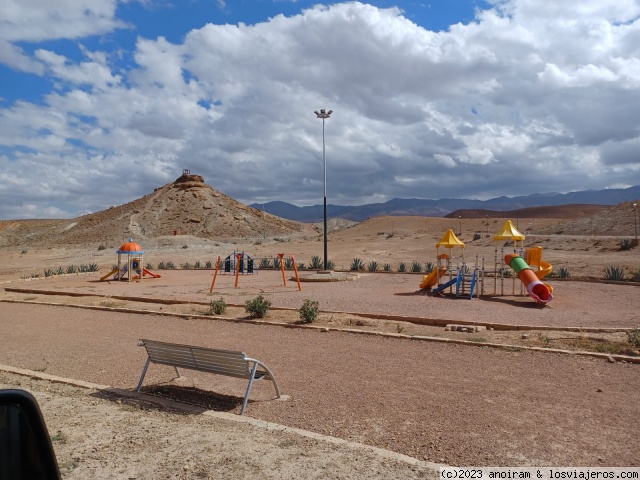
509, 232
449, 240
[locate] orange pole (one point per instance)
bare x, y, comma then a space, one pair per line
239, 257
295, 270
284, 277
215, 275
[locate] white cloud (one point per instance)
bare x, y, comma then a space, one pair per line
542, 92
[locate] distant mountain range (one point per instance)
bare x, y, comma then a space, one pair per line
445, 206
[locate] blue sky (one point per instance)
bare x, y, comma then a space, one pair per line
101, 102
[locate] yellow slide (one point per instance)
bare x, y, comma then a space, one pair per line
430, 280
102, 279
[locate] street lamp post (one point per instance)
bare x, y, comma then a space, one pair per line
635, 219
486, 221
460, 226
323, 114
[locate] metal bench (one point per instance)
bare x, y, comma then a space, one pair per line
211, 360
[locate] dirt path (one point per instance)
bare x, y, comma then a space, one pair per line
442, 403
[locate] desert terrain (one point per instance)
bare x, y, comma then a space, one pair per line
380, 367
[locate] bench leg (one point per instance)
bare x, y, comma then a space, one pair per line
246, 395
144, 372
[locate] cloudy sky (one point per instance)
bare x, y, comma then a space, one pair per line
102, 101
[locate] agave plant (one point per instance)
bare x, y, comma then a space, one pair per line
330, 265
72, 269
635, 276
428, 267
48, 272
564, 273
288, 263
198, 265
373, 266
276, 263
170, 265
60, 271
614, 273
625, 244
402, 267
357, 264
386, 267
315, 263
264, 263
208, 264
301, 266
416, 267
162, 266
186, 266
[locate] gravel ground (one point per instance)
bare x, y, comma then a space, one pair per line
451, 404
575, 304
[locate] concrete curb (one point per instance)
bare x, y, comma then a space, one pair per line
388, 454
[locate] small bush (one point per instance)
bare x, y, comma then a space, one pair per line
309, 311
402, 267
315, 263
288, 263
633, 337
614, 273
170, 265
476, 236
102, 247
258, 307
24, 252
386, 267
198, 265
186, 266
60, 271
208, 264
330, 265
72, 269
564, 273
149, 266
276, 263
357, 264
185, 246
301, 266
635, 276
373, 266
428, 267
162, 266
217, 307
48, 272
416, 267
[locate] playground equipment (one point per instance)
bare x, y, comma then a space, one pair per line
238, 267
470, 280
134, 263
536, 289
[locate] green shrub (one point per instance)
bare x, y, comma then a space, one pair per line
357, 264
60, 271
217, 307
428, 267
301, 266
476, 236
386, 267
276, 263
416, 267
186, 266
633, 337
614, 273
102, 247
635, 276
149, 266
288, 263
330, 265
48, 272
170, 265
315, 263
373, 266
258, 307
309, 311
402, 267
208, 264
162, 266
72, 269
198, 265
564, 273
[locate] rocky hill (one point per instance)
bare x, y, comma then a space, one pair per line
187, 206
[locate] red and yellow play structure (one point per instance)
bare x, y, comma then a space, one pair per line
530, 270
131, 269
